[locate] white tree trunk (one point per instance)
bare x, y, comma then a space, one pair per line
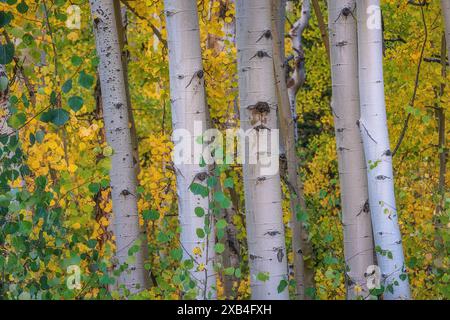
303, 273
445, 7
189, 108
298, 76
358, 238
5, 129
374, 131
265, 228
123, 180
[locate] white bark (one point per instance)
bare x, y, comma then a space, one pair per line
374, 131
358, 238
187, 90
303, 272
123, 180
265, 229
5, 129
445, 7
298, 76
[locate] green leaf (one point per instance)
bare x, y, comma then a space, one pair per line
22, 7
75, 103
199, 212
219, 248
162, 237
85, 80
211, 181
17, 120
403, 277
238, 273
94, 187
222, 200
61, 117
76, 61
176, 254
5, 18
220, 233
199, 190
56, 116
6, 53
67, 86
200, 233
92, 243
263, 276
150, 215
282, 286
229, 271
221, 224
310, 292
3, 83
53, 98
40, 136
228, 183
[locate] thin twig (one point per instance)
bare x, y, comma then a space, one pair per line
416, 82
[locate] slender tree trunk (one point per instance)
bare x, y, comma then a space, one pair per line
322, 26
374, 131
122, 21
445, 6
258, 113
440, 115
123, 179
189, 109
230, 258
5, 129
294, 84
358, 238
298, 76
297, 202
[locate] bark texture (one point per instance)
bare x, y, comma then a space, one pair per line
258, 114
445, 7
187, 90
300, 245
358, 239
374, 131
123, 179
298, 76
5, 129
295, 82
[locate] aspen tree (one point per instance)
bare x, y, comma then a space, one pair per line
300, 245
298, 77
187, 90
5, 129
258, 113
445, 7
127, 232
378, 155
358, 239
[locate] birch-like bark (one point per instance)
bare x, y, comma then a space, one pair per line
122, 21
358, 238
322, 26
294, 83
187, 90
5, 129
298, 76
445, 7
123, 179
300, 246
258, 113
374, 131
